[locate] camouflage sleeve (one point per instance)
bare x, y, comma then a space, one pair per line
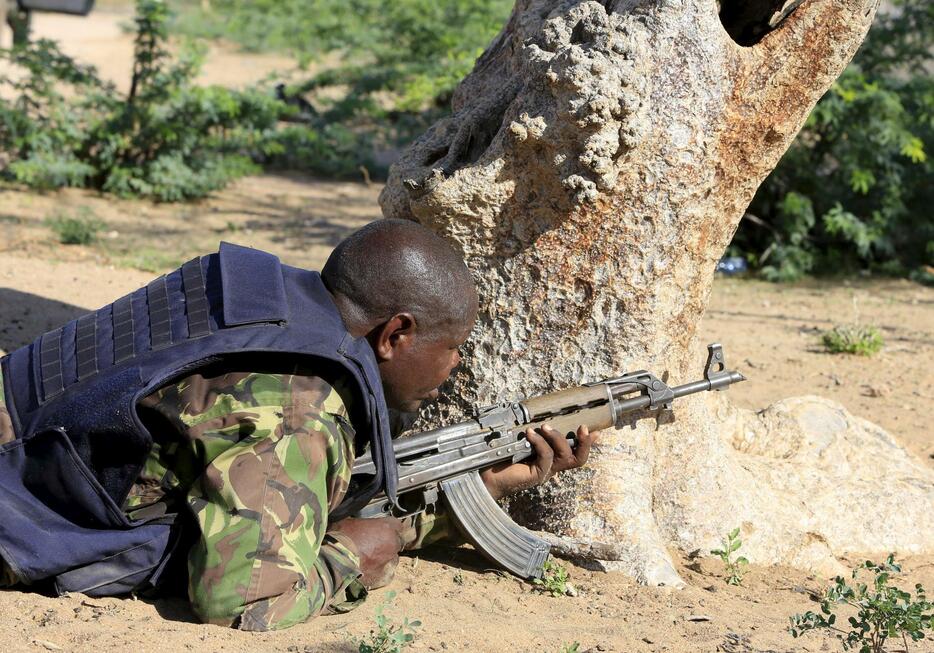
426, 529
264, 559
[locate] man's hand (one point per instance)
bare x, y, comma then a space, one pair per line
553, 454
377, 542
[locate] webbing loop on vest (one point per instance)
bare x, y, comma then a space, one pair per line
196, 301
160, 319
50, 364
124, 349
86, 346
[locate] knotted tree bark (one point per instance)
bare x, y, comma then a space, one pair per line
596, 165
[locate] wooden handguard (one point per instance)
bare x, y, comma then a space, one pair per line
595, 419
556, 402
564, 411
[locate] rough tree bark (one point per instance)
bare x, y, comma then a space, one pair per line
596, 165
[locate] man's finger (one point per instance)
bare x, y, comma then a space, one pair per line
558, 442
584, 440
544, 455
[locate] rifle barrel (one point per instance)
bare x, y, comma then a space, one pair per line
644, 401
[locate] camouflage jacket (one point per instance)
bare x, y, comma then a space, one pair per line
259, 459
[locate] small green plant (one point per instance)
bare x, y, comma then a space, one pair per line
853, 339
78, 229
573, 647
735, 567
458, 578
883, 612
388, 637
554, 579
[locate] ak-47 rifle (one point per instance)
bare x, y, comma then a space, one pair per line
445, 462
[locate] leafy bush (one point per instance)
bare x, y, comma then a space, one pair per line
854, 189
399, 62
167, 139
417, 49
883, 612
862, 340
78, 229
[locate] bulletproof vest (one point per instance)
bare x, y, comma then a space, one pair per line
72, 397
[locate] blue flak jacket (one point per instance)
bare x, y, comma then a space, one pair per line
72, 396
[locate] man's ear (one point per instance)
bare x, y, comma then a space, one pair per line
392, 336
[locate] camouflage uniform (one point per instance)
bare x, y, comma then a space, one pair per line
259, 459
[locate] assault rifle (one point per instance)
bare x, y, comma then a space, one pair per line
446, 462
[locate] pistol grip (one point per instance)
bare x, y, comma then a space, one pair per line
490, 529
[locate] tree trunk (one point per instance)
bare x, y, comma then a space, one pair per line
596, 165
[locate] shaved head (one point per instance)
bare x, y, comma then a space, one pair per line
398, 266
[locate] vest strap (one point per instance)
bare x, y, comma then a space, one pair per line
86, 346
50, 364
196, 301
124, 348
254, 290
160, 318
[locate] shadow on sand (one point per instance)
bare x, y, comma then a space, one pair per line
24, 317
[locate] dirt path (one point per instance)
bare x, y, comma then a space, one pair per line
299, 218
101, 40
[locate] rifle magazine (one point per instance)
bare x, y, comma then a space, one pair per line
491, 530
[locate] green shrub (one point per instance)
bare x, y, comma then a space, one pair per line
854, 190
399, 63
852, 339
78, 229
167, 139
883, 612
554, 580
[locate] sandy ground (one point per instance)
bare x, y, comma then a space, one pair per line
770, 333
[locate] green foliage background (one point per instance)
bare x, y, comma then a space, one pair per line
168, 138
856, 191
389, 67
414, 50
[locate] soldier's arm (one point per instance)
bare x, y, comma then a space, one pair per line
427, 529
264, 559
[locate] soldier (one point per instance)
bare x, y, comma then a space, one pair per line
213, 418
